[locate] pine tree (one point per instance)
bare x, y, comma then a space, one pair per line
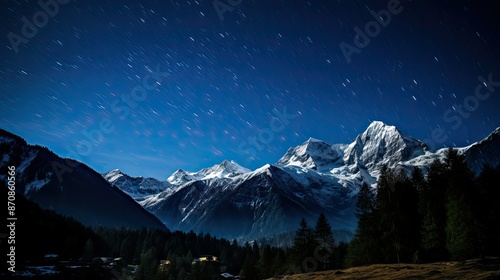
265, 263
304, 243
304, 236
249, 270
487, 210
396, 212
323, 231
256, 251
422, 188
407, 218
418, 180
460, 231
279, 263
324, 237
386, 216
149, 265
363, 248
432, 199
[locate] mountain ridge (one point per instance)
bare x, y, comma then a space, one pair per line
82, 193
310, 178
228, 199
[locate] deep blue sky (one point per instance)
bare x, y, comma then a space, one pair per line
221, 79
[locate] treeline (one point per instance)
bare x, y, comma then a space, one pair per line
147, 247
314, 249
41, 231
449, 214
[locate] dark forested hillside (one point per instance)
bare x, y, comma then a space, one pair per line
69, 187
40, 232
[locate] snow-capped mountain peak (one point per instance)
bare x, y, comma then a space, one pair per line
310, 178
225, 169
113, 175
135, 186
379, 124
180, 177
378, 131
311, 140
312, 154
382, 144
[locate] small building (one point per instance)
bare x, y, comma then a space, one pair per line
205, 258
164, 265
208, 258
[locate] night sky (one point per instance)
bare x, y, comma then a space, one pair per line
152, 86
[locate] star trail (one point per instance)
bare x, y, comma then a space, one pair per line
152, 86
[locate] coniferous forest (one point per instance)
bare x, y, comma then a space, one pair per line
447, 213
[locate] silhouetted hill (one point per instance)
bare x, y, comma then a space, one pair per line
69, 187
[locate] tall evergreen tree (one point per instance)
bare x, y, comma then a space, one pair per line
363, 248
432, 199
461, 232
303, 245
397, 215
279, 263
407, 218
418, 180
148, 266
249, 270
265, 263
324, 237
487, 210
323, 231
304, 236
387, 216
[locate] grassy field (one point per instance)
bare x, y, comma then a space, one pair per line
488, 268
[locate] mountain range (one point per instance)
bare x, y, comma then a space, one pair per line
229, 200
315, 177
